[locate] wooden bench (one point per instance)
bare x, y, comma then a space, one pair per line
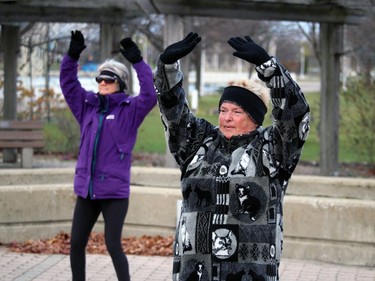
24, 136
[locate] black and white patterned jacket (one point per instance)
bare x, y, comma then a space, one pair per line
231, 221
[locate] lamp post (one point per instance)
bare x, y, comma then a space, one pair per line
302, 65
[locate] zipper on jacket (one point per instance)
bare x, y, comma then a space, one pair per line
94, 154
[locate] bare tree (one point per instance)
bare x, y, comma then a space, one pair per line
361, 41
311, 33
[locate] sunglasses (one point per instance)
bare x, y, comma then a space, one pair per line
106, 80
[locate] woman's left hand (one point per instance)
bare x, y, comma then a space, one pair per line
248, 50
130, 50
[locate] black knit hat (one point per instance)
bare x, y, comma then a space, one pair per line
247, 100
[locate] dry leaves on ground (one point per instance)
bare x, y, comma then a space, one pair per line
60, 244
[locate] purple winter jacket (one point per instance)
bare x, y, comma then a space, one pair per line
107, 136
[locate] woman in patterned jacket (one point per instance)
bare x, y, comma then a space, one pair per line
233, 176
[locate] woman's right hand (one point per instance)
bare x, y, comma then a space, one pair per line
180, 49
77, 44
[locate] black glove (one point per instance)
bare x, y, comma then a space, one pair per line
180, 49
130, 50
248, 50
77, 44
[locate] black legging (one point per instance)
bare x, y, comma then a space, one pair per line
86, 213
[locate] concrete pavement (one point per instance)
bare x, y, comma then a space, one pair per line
26, 267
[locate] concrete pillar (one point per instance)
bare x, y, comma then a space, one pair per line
10, 37
173, 29
106, 41
331, 43
173, 32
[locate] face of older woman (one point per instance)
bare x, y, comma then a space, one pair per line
107, 86
233, 120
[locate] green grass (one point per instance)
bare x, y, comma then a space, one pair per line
311, 149
151, 137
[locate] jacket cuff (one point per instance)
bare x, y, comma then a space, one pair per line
267, 69
166, 76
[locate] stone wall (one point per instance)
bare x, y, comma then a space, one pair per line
325, 219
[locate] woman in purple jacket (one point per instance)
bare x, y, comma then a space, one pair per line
109, 121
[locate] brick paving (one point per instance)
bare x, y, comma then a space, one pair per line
26, 267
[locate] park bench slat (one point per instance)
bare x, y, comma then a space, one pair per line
20, 144
22, 125
21, 135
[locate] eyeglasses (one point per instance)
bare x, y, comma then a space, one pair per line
107, 80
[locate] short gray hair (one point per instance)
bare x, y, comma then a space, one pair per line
118, 68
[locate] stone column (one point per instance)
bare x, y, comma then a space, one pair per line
10, 37
331, 43
173, 32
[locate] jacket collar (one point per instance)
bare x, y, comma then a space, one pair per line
114, 99
240, 140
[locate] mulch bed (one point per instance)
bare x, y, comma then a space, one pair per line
60, 244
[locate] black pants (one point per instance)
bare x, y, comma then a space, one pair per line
86, 213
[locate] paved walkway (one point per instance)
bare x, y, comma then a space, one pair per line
26, 267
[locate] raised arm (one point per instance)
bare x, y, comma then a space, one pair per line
146, 99
184, 132
290, 109
71, 88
